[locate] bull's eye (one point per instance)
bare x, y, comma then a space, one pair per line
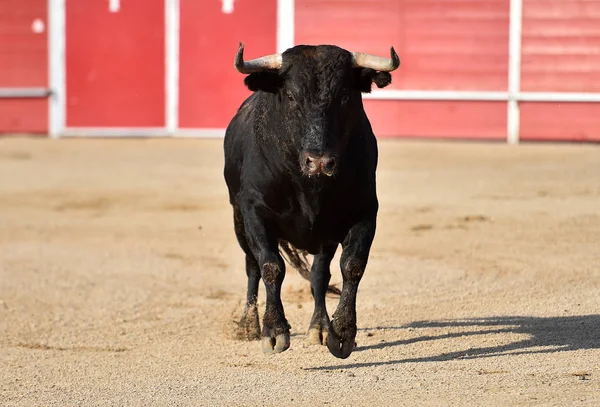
290, 96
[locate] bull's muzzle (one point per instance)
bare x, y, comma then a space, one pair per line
315, 164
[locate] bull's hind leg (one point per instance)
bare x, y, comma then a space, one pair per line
319, 281
249, 326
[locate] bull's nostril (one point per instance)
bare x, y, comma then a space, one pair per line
311, 163
329, 165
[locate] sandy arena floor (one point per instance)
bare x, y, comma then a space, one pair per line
121, 280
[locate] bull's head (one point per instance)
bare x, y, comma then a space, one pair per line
317, 92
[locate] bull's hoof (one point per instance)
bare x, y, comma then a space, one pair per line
275, 332
318, 329
340, 340
278, 344
317, 336
248, 328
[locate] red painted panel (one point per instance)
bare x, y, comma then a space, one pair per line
468, 120
561, 44
23, 52
23, 115
443, 44
211, 89
115, 64
560, 121
23, 63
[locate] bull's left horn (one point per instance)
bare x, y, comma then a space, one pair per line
362, 60
256, 65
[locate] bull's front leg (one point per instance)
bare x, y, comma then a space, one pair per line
355, 254
264, 246
276, 329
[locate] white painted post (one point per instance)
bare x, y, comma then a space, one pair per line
514, 70
227, 6
172, 27
56, 67
285, 24
114, 6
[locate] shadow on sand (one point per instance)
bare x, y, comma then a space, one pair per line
545, 335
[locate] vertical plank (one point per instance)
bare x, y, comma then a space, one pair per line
115, 63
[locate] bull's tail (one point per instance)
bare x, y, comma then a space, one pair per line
297, 259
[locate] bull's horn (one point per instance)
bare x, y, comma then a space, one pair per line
362, 60
256, 65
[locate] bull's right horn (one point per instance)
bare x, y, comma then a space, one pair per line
268, 62
362, 60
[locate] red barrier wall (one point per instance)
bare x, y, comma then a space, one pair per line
115, 62
443, 45
560, 53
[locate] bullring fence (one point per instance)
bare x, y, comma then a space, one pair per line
476, 69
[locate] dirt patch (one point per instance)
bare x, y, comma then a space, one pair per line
16, 155
74, 348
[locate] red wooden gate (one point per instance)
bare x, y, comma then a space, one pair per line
210, 89
115, 64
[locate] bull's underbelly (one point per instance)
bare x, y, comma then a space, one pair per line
308, 236
311, 246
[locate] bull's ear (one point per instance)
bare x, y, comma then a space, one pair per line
366, 77
266, 81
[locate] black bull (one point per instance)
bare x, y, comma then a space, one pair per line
300, 163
